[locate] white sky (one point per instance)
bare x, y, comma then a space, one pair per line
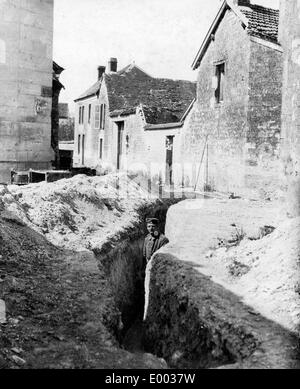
161, 36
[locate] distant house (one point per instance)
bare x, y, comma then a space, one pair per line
66, 137
128, 118
63, 110
235, 125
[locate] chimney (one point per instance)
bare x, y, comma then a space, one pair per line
101, 70
113, 65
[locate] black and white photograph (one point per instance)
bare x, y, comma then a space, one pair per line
149, 187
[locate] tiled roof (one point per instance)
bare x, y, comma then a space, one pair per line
263, 22
163, 100
91, 91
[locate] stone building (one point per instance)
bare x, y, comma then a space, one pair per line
289, 33
127, 120
26, 30
235, 125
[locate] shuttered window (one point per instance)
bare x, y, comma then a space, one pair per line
90, 113
102, 116
97, 117
100, 148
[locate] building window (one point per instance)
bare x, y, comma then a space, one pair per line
220, 78
102, 116
79, 140
82, 113
101, 149
97, 117
83, 149
90, 113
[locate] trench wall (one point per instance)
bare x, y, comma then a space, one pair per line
194, 323
121, 259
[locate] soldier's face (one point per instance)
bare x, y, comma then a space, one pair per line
152, 229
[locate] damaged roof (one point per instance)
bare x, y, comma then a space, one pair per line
259, 21
163, 100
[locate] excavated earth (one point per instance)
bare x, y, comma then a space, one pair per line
68, 308
222, 294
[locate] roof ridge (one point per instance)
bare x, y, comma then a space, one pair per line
130, 67
263, 7
175, 80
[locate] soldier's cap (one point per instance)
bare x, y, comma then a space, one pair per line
152, 220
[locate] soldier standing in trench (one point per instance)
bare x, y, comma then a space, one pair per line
153, 242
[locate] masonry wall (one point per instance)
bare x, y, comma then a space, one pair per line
26, 35
133, 145
290, 40
89, 157
264, 118
224, 123
156, 153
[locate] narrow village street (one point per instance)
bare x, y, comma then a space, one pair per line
149, 185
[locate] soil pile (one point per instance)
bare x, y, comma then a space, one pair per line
60, 309
247, 247
78, 213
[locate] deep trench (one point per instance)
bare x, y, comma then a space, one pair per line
122, 261
193, 323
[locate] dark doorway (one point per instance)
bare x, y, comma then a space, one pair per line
169, 160
120, 144
83, 146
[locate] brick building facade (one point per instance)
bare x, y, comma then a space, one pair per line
26, 35
126, 118
238, 107
289, 35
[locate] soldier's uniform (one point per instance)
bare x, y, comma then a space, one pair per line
152, 244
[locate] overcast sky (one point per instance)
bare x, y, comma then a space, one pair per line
161, 36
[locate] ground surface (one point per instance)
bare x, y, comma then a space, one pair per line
60, 310
248, 247
59, 306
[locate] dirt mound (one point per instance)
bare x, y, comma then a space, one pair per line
265, 272
247, 247
78, 213
60, 308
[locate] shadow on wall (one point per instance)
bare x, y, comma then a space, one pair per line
194, 323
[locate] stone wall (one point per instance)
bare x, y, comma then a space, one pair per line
290, 40
242, 153
133, 144
263, 165
224, 123
26, 35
